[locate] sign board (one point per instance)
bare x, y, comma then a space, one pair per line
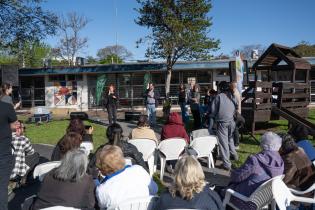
10, 74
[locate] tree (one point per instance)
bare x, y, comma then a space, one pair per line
24, 21
179, 30
71, 43
116, 52
35, 53
305, 49
246, 50
7, 58
110, 59
91, 60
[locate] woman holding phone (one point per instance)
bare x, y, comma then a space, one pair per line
111, 103
6, 91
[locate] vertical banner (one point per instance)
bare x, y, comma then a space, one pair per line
146, 80
239, 67
100, 84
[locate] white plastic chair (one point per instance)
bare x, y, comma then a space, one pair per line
199, 133
170, 149
147, 147
284, 196
42, 169
87, 147
204, 147
261, 197
128, 161
142, 203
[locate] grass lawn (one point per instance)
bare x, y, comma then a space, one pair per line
50, 133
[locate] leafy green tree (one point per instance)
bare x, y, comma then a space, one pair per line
23, 21
110, 59
91, 60
35, 53
114, 51
7, 58
179, 30
305, 49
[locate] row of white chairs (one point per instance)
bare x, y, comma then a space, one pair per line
172, 149
273, 192
168, 149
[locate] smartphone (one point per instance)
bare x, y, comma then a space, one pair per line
87, 127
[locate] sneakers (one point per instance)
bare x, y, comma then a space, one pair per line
237, 147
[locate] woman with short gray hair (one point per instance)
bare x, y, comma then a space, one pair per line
68, 185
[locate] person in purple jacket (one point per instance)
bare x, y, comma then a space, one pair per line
260, 167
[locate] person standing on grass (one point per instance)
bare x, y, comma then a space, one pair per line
7, 122
223, 109
6, 90
239, 121
194, 101
182, 101
111, 104
151, 97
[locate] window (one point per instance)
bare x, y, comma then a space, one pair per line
59, 77
75, 77
158, 77
204, 76
223, 72
138, 79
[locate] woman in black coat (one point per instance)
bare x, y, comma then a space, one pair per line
114, 135
111, 103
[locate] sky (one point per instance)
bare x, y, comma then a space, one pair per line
235, 23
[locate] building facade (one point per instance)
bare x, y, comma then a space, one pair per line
75, 87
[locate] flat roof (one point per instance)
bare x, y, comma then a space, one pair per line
135, 67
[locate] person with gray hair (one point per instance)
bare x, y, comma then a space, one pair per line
259, 167
68, 185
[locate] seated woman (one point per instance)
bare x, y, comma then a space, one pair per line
189, 189
300, 133
68, 185
114, 135
174, 128
121, 181
260, 167
70, 141
76, 125
143, 130
298, 169
25, 156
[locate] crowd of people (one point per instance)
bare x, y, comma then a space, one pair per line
105, 178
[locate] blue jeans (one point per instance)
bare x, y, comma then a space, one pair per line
151, 114
185, 114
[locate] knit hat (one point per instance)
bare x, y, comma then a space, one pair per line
270, 141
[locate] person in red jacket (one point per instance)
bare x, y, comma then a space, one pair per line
174, 128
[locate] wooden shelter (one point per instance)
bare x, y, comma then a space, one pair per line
283, 83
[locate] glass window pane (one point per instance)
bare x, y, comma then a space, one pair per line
158, 78
204, 76
138, 78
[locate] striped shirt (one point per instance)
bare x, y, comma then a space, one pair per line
22, 147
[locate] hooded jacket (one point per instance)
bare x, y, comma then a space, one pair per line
255, 171
174, 128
